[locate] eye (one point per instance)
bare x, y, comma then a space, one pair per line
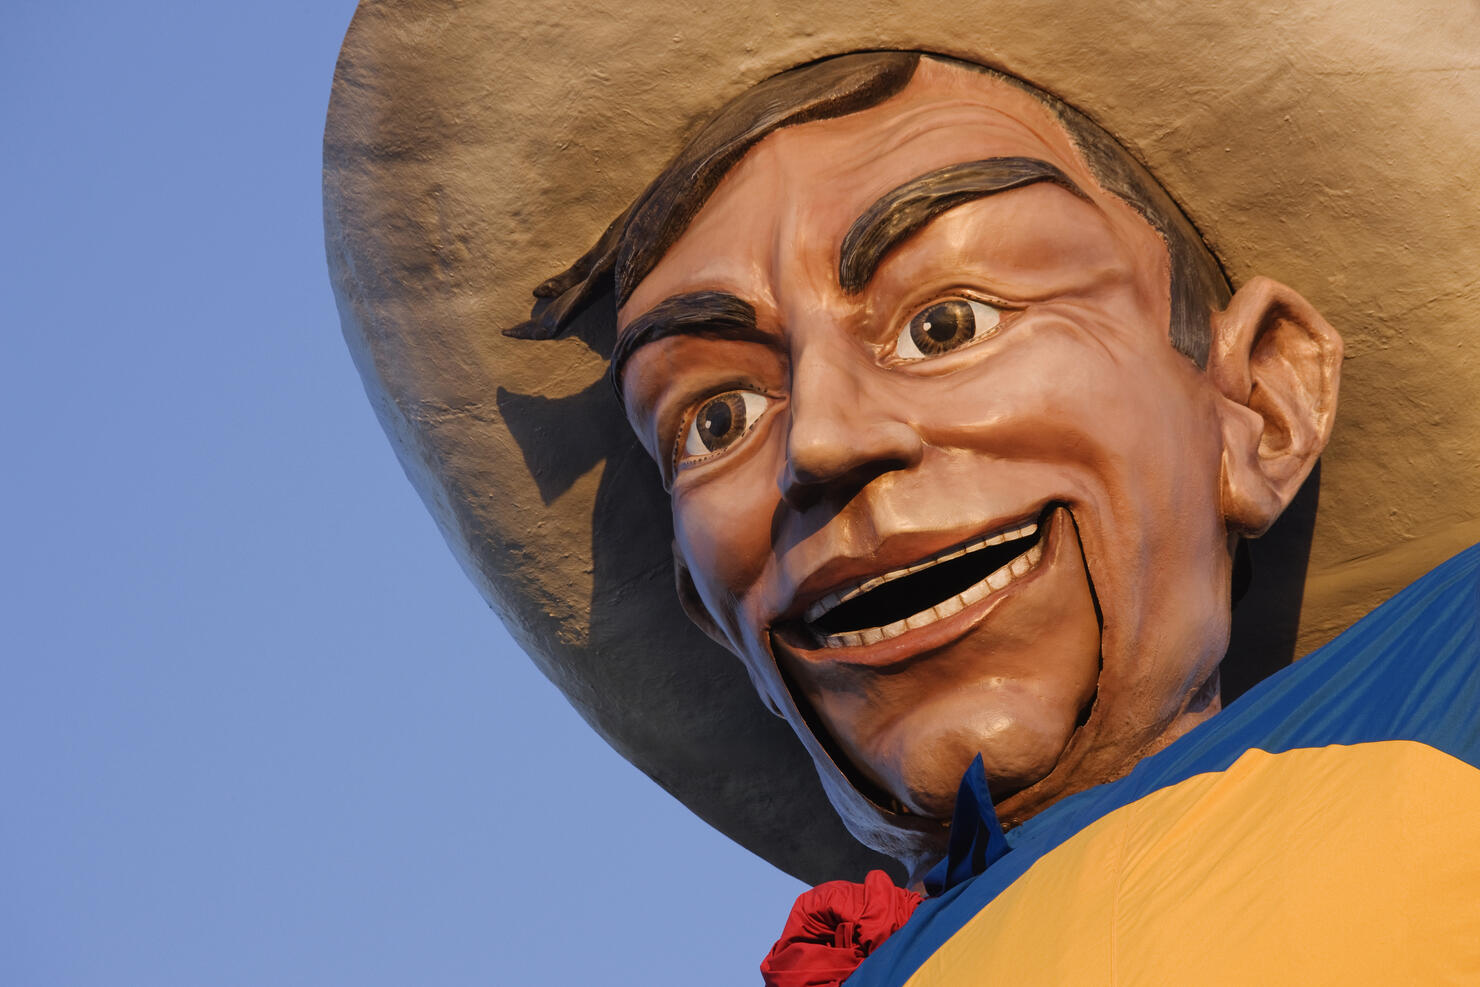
721, 421
945, 326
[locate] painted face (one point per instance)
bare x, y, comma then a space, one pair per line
937, 475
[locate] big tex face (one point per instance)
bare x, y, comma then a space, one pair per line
937, 474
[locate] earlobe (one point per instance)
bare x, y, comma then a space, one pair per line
1277, 363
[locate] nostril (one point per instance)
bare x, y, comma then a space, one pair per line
836, 462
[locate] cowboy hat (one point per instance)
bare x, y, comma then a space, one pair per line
473, 150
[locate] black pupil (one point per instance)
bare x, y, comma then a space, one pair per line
942, 327
721, 421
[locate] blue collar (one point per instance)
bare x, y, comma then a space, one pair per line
977, 840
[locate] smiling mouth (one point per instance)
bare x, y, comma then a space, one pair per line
932, 589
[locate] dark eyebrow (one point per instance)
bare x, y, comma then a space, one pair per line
901, 212
711, 314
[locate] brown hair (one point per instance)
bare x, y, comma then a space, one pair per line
635, 241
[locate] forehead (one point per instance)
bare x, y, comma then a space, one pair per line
798, 190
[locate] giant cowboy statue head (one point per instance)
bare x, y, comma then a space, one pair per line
959, 426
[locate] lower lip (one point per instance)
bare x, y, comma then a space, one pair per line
920, 642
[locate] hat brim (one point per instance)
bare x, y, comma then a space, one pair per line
472, 150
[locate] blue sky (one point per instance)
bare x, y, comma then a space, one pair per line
255, 726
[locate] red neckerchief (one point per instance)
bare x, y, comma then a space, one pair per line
833, 927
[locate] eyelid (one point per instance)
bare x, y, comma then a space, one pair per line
754, 415
975, 299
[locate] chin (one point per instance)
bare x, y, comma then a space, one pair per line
1019, 736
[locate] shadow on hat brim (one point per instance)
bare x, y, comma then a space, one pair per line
473, 150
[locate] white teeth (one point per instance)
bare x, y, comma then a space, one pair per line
977, 592
999, 579
825, 604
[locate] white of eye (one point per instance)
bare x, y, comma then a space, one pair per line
723, 420
944, 326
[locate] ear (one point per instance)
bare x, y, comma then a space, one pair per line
1278, 364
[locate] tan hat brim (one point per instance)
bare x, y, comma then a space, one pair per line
474, 149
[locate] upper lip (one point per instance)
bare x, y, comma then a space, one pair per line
843, 577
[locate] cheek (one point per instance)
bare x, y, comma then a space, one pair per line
1125, 423
722, 525
1156, 547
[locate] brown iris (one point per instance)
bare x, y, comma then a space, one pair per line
943, 327
721, 420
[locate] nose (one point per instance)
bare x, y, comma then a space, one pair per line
846, 429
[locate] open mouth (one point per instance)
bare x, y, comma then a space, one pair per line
932, 589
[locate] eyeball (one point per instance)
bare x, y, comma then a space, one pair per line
945, 326
723, 420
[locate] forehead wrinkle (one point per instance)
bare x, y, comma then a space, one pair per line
968, 96
1013, 112
716, 270
838, 151
903, 132
808, 163
1008, 100
959, 129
